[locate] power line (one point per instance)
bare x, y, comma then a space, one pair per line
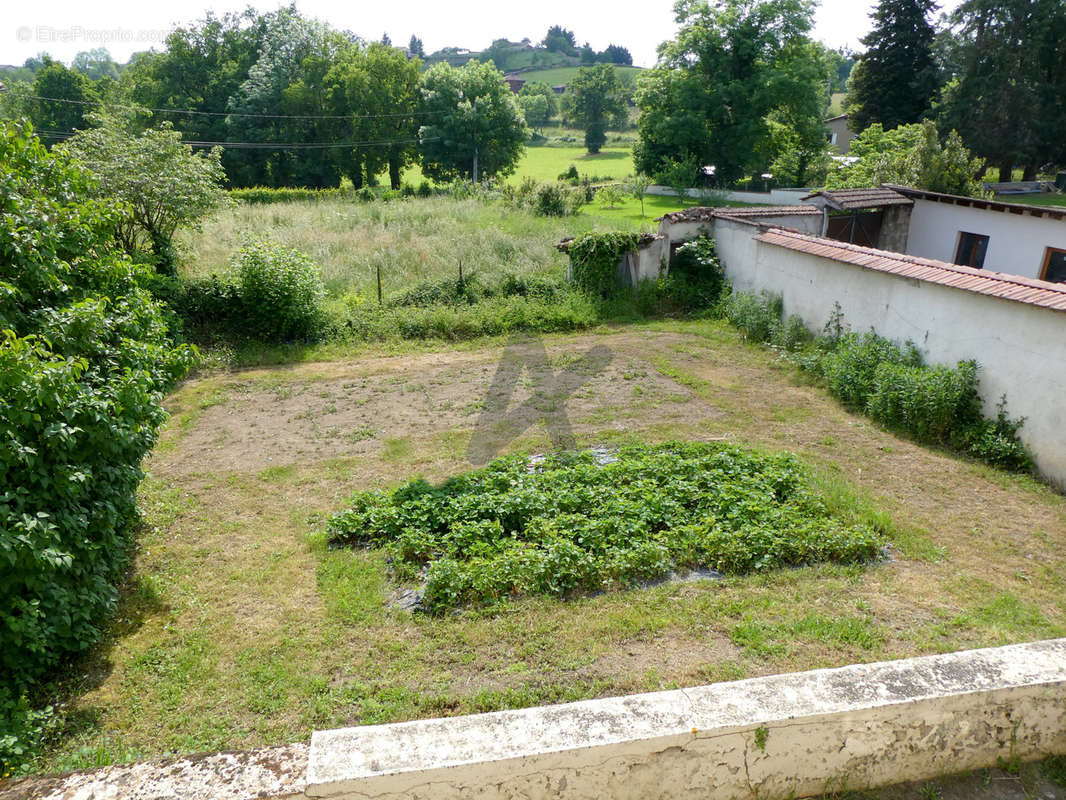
303, 145
64, 135
228, 113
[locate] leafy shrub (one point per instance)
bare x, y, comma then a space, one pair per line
279, 293
594, 260
792, 335
570, 524
930, 403
757, 316
490, 316
609, 196
570, 175
543, 199
259, 195
995, 441
850, 369
85, 357
698, 261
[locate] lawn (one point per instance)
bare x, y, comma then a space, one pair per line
1058, 199
240, 627
547, 163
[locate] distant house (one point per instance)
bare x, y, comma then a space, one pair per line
838, 133
515, 82
1013, 238
559, 88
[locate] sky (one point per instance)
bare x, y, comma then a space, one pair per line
62, 28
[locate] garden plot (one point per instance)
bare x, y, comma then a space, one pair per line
242, 627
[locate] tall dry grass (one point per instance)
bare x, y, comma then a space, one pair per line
411, 240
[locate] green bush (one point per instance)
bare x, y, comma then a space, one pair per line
85, 357
258, 195
930, 403
543, 199
594, 259
279, 293
570, 524
850, 369
490, 316
757, 316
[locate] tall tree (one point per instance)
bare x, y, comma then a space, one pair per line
1008, 101
254, 107
709, 97
469, 116
615, 54
899, 79
164, 184
415, 47
95, 64
377, 87
70, 97
596, 96
560, 40
202, 65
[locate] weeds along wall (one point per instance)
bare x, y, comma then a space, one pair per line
1020, 348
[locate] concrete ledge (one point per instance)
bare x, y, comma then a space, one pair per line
271, 772
871, 725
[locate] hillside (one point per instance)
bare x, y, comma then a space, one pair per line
562, 75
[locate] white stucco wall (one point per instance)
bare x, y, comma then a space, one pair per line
1016, 242
1021, 349
674, 232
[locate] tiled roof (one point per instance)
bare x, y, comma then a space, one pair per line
769, 211
982, 281
1052, 212
707, 213
694, 214
853, 199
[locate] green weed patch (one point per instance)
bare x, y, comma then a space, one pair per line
568, 524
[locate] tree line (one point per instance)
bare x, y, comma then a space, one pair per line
993, 71
742, 87
295, 102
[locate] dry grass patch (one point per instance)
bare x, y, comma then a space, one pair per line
241, 628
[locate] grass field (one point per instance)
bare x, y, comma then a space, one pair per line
1058, 199
547, 163
563, 75
409, 240
239, 627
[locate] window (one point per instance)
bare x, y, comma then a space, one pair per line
971, 250
1054, 266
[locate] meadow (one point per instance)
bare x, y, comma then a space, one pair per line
410, 240
561, 75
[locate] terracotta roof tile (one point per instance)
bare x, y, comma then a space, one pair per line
981, 281
707, 213
853, 199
